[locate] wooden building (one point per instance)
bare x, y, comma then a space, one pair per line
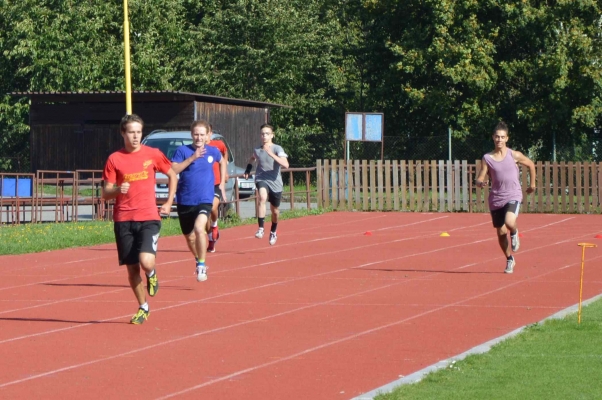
78, 130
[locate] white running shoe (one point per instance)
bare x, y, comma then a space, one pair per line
259, 233
273, 238
515, 241
510, 263
201, 272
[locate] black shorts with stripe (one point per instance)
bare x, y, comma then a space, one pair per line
135, 237
498, 217
273, 197
189, 214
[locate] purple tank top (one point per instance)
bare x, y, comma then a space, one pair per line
505, 185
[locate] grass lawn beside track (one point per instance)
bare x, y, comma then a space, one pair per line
556, 359
34, 238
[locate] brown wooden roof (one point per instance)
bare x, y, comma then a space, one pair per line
137, 96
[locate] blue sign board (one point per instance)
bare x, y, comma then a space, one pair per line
364, 127
8, 187
374, 127
353, 126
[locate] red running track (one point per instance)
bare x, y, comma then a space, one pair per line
327, 313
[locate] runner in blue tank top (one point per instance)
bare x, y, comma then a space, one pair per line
506, 194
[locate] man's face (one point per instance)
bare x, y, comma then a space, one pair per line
500, 138
199, 136
266, 135
132, 135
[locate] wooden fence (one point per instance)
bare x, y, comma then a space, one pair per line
431, 185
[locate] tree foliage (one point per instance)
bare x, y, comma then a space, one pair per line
429, 65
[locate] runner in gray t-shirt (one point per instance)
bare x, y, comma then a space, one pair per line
506, 194
270, 158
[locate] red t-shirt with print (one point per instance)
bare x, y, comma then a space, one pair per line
137, 168
222, 149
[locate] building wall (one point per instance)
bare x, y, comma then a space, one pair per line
70, 136
238, 124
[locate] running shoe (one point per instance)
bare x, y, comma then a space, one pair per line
140, 317
259, 233
201, 272
273, 238
510, 263
152, 285
515, 241
211, 246
215, 233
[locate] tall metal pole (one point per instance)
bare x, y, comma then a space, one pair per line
126, 44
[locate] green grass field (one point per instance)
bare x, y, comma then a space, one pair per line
557, 359
33, 238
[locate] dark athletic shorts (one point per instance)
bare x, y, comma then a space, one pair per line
273, 197
135, 237
217, 192
499, 216
189, 214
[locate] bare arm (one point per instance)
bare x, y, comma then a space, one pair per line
524, 160
223, 171
110, 191
283, 161
482, 178
181, 166
172, 184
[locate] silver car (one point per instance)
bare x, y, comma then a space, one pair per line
168, 142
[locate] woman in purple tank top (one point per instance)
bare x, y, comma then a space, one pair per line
505, 196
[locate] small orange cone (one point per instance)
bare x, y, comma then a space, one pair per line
368, 233
444, 234
598, 236
520, 234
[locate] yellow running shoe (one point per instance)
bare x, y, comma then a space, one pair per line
140, 316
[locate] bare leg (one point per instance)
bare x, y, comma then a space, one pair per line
263, 197
190, 242
200, 226
502, 238
510, 222
214, 211
136, 283
275, 214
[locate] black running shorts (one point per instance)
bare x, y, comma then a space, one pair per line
499, 216
189, 214
217, 192
273, 197
135, 237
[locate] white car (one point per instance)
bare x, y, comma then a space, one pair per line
168, 142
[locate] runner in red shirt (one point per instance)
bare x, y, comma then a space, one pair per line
129, 178
220, 189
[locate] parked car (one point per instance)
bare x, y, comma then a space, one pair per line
168, 142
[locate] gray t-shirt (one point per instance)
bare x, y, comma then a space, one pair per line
268, 170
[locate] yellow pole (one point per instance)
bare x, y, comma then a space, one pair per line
126, 43
583, 246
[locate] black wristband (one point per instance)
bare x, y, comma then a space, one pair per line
249, 168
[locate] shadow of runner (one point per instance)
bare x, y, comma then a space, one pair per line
67, 321
107, 285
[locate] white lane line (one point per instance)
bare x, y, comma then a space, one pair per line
341, 340
252, 288
112, 247
265, 318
